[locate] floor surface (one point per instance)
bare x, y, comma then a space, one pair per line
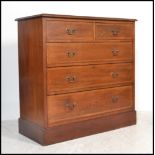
133, 139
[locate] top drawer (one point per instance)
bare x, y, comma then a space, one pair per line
113, 31
69, 31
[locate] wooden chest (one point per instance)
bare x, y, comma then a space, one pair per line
76, 76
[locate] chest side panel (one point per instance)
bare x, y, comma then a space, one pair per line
31, 70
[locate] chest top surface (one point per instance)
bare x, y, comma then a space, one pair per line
74, 17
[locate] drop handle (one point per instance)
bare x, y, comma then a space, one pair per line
71, 54
71, 78
115, 99
115, 32
70, 105
114, 74
115, 52
70, 31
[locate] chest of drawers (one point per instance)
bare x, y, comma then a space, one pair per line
76, 76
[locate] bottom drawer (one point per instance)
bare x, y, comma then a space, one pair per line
83, 105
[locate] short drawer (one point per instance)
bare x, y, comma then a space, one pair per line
113, 31
69, 31
70, 79
74, 106
63, 54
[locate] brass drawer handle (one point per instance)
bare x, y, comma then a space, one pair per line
70, 31
115, 32
115, 99
70, 105
71, 54
71, 78
115, 52
114, 74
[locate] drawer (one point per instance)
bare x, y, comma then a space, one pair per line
63, 54
69, 31
74, 106
113, 31
70, 79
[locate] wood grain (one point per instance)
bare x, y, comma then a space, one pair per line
78, 31
71, 79
113, 31
70, 131
68, 54
31, 71
55, 16
76, 76
75, 106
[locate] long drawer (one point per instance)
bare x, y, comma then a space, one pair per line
74, 106
70, 79
63, 54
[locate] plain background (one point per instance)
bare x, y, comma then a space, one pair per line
142, 11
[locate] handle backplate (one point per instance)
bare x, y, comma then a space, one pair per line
71, 54
115, 32
115, 52
114, 74
115, 99
71, 78
70, 105
70, 31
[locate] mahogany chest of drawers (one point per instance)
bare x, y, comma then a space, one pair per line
76, 76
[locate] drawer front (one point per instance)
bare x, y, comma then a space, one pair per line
59, 54
89, 103
70, 79
69, 31
113, 31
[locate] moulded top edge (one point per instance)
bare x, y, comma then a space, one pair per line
74, 17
